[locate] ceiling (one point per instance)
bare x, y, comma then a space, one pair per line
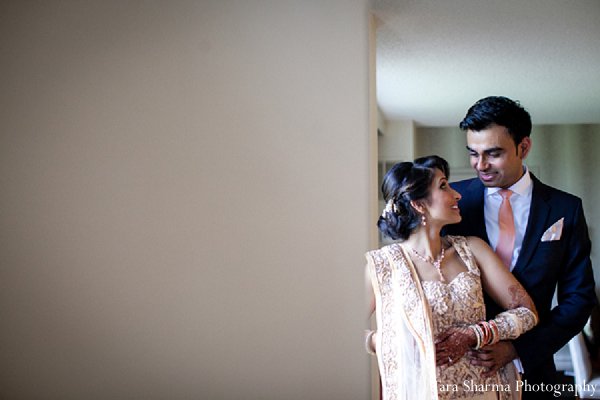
435, 58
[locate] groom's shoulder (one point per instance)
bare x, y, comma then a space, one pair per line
556, 194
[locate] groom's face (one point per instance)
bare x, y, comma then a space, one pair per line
495, 157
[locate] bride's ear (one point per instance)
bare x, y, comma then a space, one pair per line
417, 206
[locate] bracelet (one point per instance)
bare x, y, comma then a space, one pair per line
368, 346
478, 335
495, 332
487, 333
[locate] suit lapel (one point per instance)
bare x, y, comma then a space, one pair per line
538, 215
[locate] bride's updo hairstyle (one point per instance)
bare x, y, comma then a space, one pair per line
403, 183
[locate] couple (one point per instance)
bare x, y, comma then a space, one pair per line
450, 314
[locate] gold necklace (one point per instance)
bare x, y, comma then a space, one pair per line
436, 263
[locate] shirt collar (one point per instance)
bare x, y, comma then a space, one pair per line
520, 187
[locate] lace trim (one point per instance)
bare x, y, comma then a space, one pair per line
513, 323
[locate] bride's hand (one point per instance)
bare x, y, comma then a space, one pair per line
452, 344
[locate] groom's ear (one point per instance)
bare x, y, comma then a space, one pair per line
524, 147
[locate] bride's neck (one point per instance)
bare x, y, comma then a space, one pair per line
425, 242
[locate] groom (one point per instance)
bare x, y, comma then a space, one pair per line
539, 231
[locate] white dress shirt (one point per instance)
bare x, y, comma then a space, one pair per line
520, 202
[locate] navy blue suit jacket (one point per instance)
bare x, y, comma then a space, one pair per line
541, 267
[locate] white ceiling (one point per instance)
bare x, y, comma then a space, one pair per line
435, 58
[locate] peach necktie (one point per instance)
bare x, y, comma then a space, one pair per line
506, 222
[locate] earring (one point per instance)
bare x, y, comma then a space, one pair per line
423, 220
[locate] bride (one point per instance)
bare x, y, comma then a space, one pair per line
427, 294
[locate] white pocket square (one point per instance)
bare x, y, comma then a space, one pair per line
554, 232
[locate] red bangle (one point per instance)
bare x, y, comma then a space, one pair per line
487, 334
495, 332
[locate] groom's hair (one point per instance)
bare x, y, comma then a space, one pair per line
498, 110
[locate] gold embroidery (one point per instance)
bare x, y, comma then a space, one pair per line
444, 304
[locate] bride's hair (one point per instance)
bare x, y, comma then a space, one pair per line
404, 182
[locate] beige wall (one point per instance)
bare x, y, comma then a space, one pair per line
185, 199
397, 141
563, 156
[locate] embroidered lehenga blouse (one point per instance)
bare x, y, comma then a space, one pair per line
410, 314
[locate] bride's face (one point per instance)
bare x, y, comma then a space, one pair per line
442, 202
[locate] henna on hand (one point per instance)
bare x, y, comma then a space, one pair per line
452, 344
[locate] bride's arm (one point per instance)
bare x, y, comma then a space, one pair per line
497, 281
